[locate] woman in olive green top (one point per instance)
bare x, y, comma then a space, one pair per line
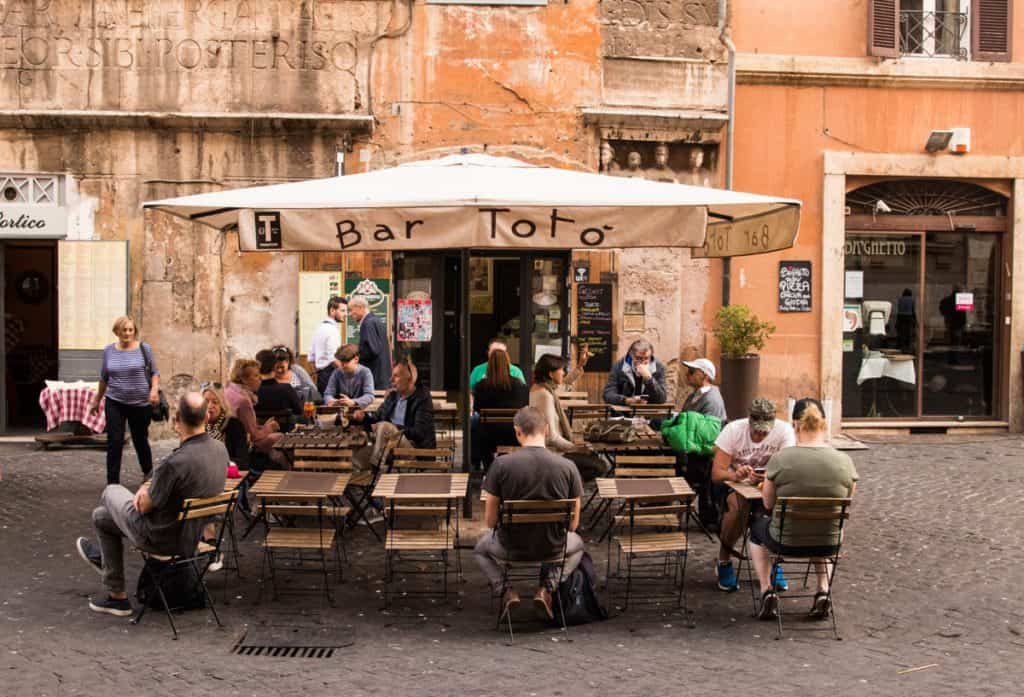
811, 468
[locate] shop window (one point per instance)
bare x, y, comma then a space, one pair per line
921, 313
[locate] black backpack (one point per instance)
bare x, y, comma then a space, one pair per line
576, 596
181, 587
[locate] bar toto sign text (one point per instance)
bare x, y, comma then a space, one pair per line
484, 226
19, 222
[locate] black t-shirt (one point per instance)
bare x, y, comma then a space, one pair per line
274, 396
533, 474
196, 469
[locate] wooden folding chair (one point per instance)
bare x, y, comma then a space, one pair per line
361, 484
300, 541
649, 555
636, 467
422, 460
514, 513
214, 509
811, 531
422, 534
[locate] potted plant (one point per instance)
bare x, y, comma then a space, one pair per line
740, 333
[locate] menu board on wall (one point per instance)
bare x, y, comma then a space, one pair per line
594, 323
794, 286
92, 286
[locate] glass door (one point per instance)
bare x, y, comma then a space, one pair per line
959, 324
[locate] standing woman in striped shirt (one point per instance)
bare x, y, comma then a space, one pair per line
130, 380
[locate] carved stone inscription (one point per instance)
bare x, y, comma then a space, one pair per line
189, 55
659, 28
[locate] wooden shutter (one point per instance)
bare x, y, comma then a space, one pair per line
990, 30
884, 28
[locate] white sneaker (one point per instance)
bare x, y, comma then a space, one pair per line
216, 565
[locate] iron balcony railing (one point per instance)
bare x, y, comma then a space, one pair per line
928, 33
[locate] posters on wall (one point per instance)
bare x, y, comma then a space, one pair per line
415, 320
854, 284
377, 292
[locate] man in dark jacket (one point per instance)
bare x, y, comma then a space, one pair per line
407, 410
639, 378
374, 351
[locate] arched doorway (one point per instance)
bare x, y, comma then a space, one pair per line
922, 316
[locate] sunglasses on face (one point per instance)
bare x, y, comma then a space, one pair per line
209, 385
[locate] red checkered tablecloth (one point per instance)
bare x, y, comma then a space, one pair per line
71, 403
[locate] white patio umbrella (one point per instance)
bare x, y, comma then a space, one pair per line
480, 201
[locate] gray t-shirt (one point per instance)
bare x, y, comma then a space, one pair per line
709, 403
533, 474
196, 469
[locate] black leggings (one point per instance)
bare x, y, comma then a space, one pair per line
138, 418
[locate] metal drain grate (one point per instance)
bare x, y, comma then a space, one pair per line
293, 642
284, 652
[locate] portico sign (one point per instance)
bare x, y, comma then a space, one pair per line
20, 222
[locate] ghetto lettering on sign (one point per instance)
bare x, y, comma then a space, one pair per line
794, 286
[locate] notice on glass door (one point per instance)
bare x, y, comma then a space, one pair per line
854, 284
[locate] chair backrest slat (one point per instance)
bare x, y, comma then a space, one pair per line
194, 508
520, 512
645, 460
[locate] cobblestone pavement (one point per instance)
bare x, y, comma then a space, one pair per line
930, 577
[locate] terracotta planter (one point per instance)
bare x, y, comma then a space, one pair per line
738, 384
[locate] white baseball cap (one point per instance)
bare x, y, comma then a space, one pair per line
702, 364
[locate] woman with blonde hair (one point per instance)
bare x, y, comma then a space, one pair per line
812, 468
130, 381
222, 425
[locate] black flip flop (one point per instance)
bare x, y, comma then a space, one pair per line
821, 607
769, 606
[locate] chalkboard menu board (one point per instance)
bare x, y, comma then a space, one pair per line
794, 286
594, 323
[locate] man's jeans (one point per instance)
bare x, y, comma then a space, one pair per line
490, 554
116, 519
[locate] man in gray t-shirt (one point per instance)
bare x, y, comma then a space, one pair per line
531, 473
149, 518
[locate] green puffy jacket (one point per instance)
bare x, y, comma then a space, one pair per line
691, 432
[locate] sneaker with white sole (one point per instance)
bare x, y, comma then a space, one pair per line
781, 585
111, 606
727, 580
216, 565
90, 554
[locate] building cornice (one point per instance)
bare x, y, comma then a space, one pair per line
43, 119
923, 166
920, 73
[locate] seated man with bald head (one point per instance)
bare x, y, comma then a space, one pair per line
148, 519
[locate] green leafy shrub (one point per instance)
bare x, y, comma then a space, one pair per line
739, 331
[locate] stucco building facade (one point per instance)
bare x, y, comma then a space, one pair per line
836, 108
109, 104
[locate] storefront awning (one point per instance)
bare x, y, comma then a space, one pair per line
480, 202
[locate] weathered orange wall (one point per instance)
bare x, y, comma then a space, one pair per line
780, 140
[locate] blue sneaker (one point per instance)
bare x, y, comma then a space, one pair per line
780, 581
727, 580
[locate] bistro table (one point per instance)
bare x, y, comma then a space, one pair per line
333, 438
752, 495
626, 490
422, 486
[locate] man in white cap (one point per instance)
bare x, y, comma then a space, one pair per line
705, 398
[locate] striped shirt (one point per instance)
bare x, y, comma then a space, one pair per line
125, 374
